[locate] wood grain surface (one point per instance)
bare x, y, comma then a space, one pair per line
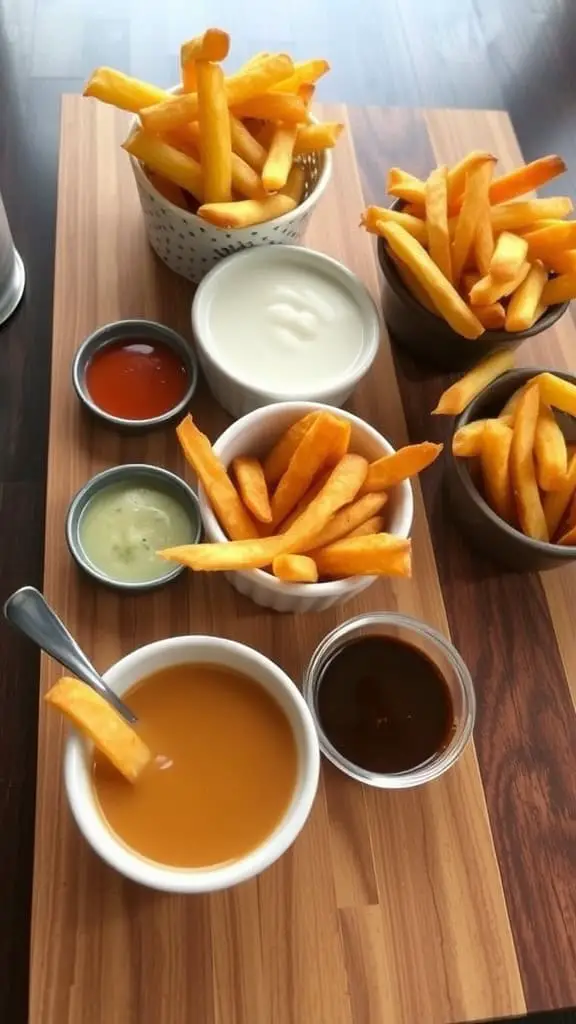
452, 902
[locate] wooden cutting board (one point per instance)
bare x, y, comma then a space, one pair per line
448, 903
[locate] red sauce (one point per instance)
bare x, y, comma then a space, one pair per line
136, 379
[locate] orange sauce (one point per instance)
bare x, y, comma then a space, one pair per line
224, 772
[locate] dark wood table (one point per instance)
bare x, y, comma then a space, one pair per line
515, 56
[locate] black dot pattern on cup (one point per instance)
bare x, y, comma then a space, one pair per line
191, 248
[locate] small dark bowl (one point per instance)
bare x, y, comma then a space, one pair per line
485, 530
146, 330
429, 338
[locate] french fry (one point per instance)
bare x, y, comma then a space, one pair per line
173, 193
379, 555
374, 525
339, 490
483, 245
549, 451
525, 179
213, 45
295, 568
413, 285
526, 494
495, 464
296, 184
326, 434
556, 502
245, 145
245, 180
242, 86
457, 176
569, 538
405, 186
403, 464
468, 280
511, 216
525, 302
110, 86
557, 392
221, 492
492, 317
95, 717
188, 77
313, 137
273, 106
245, 212
443, 295
252, 486
436, 226
509, 410
348, 518
559, 289
305, 72
474, 206
229, 556
375, 215
509, 255
159, 156
561, 262
487, 291
556, 236
214, 121
467, 441
279, 160
277, 461
454, 400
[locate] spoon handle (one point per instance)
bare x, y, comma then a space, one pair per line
28, 610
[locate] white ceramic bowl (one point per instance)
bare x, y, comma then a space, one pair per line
239, 397
152, 658
255, 434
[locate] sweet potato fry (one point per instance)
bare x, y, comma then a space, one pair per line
159, 156
313, 137
348, 518
245, 145
296, 184
524, 304
486, 291
511, 216
245, 212
374, 215
110, 86
556, 502
327, 434
117, 740
406, 462
495, 464
279, 160
252, 486
522, 470
443, 295
413, 285
240, 87
295, 568
557, 392
549, 451
492, 317
214, 121
382, 554
224, 498
458, 174
340, 489
273, 106
436, 226
230, 556
213, 44
454, 400
474, 207
405, 186
374, 525
525, 179
509, 255
559, 289
305, 72
467, 441
276, 462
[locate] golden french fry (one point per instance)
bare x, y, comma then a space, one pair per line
273, 106
559, 289
443, 295
509, 410
348, 518
188, 77
561, 262
474, 206
467, 441
436, 226
524, 304
252, 486
509, 255
221, 492
277, 460
252, 61
556, 502
213, 44
214, 121
413, 285
339, 490
526, 494
374, 525
381, 554
511, 216
495, 463
306, 94
110, 86
245, 212
279, 160
458, 175
95, 717
487, 291
240, 87
229, 556
327, 434
553, 238
313, 137
245, 145
295, 569
483, 245
173, 193
492, 317
454, 400
245, 180
557, 392
549, 451
159, 156
296, 184
404, 463
375, 215
525, 179
405, 186
307, 498
305, 72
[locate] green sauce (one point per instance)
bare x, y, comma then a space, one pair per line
123, 527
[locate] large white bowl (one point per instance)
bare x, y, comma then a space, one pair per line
191, 650
255, 434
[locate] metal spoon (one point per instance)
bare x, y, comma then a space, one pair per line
32, 615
